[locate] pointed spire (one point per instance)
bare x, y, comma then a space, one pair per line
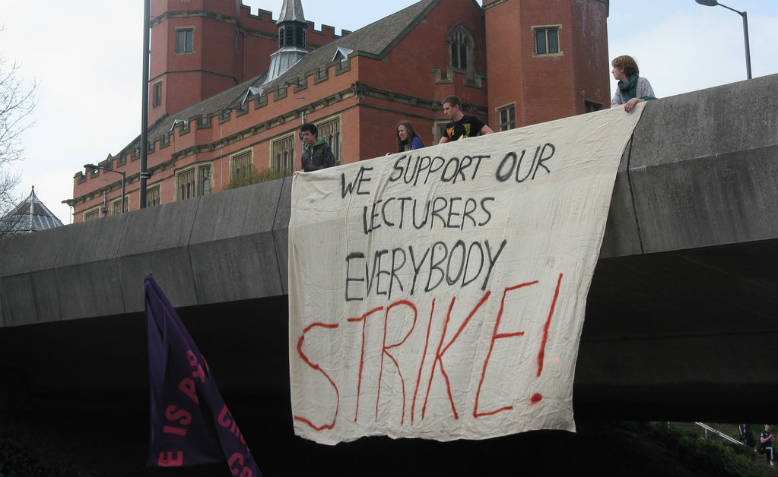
292, 11
291, 39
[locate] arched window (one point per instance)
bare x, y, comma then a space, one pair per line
461, 42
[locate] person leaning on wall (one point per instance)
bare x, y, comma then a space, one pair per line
462, 126
633, 88
317, 154
407, 139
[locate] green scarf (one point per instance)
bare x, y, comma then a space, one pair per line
318, 142
630, 88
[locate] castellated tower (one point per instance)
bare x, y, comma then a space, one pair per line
546, 59
202, 47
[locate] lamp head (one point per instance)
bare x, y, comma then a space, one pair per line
707, 3
90, 166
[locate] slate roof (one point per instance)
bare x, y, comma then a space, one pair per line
29, 216
374, 40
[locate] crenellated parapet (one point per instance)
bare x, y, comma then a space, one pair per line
256, 113
205, 132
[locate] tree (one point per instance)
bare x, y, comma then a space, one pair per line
254, 177
16, 104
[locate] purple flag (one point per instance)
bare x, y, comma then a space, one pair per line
190, 424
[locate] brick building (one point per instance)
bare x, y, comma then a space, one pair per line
228, 90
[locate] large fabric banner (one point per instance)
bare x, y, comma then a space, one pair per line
440, 293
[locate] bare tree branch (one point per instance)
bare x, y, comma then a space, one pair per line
16, 105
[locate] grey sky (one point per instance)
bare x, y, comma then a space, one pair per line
85, 57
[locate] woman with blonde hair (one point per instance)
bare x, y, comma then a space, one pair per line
633, 88
406, 137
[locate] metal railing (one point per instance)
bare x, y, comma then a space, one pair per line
718, 433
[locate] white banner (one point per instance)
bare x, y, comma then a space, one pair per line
440, 293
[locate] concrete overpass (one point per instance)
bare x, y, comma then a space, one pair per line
682, 320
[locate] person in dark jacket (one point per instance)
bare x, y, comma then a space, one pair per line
316, 152
767, 444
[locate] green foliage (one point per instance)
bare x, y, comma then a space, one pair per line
708, 456
15, 460
254, 177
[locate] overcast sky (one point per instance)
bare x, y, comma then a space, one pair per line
85, 57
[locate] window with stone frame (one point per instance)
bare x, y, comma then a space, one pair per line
92, 214
241, 165
153, 197
506, 117
547, 40
439, 130
193, 182
116, 205
204, 181
185, 184
461, 48
157, 95
184, 40
329, 130
282, 155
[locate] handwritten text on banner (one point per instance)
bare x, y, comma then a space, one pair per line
440, 293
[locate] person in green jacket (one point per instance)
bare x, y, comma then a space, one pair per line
317, 154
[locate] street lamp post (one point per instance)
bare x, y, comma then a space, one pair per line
94, 166
744, 15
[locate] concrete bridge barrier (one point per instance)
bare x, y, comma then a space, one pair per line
683, 301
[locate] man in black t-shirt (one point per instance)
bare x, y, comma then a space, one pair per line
767, 444
461, 126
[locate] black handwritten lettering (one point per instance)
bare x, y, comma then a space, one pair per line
449, 280
478, 163
395, 269
437, 212
483, 206
457, 265
375, 274
455, 162
411, 169
352, 256
416, 266
383, 212
544, 159
465, 281
470, 206
513, 163
397, 170
492, 260
518, 167
452, 213
426, 215
434, 169
422, 167
435, 266
348, 189
374, 215
438, 206
403, 200
501, 174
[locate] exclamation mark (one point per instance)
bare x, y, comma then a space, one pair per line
537, 397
